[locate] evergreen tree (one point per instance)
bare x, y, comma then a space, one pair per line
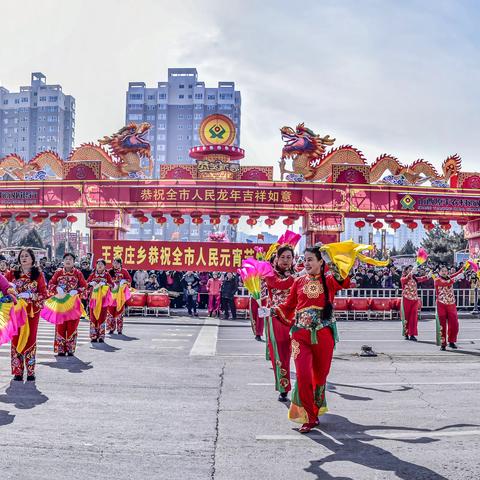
393, 252
442, 245
32, 239
408, 249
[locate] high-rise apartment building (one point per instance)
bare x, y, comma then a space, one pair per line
39, 117
175, 110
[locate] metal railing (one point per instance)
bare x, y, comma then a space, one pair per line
465, 297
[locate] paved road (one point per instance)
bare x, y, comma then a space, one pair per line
192, 398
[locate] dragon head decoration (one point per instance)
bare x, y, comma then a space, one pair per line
129, 146
303, 141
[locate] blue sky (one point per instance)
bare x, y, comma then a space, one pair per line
385, 76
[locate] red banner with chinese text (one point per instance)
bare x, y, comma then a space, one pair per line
195, 256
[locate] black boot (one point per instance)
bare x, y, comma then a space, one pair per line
258, 338
31, 378
413, 338
69, 354
443, 348
452, 345
101, 340
60, 354
18, 378
93, 340
283, 397
407, 337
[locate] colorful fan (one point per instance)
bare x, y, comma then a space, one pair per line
121, 295
471, 264
289, 238
60, 309
422, 256
251, 273
344, 254
12, 319
101, 298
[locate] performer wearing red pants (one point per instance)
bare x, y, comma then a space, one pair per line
447, 317
410, 302
30, 285
278, 333
115, 317
99, 277
308, 309
214, 286
70, 280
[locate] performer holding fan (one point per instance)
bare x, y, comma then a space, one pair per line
101, 299
121, 294
65, 308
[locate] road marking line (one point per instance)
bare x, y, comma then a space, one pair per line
169, 340
379, 435
206, 342
377, 384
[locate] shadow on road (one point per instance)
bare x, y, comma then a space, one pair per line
449, 350
23, 395
124, 338
6, 418
332, 387
71, 364
104, 347
348, 442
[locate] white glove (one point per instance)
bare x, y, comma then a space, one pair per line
73, 292
263, 312
24, 295
92, 284
60, 291
102, 284
415, 269
122, 282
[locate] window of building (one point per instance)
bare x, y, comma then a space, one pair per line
51, 128
135, 116
17, 100
181, 86
210, 97
161, 148
162, 116
180, 116
211, 107
151, 107
162, 106
180, 158
135, 96
151, 97
197, 116
161, 126
198, 106
188, 137
53, 98
151, 117
43, 99
225, 96
189, 96
5, 102
188, 117
179, 137
24, 99
179, 148
161, 136
181, 96
161, 158
198, 96
180, 127
162, 96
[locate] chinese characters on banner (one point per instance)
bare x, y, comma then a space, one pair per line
222, 195
195, 256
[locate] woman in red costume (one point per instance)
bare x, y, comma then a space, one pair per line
410, 302
68, 280
447, 317
308, 310
278, 333
115, 317
99, 278
30, 285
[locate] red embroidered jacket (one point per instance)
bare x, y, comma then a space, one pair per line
444, 289
409, 285
98, 278
68, 281
119, 275
24, 283
278, 287
307, 293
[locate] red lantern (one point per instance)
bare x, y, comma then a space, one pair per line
214, 219
389, 218
251, 222
378, 225
233, 221
160, 220
5, 216
462, 222
38, 220
143, 219
359, 224
269, 222
445, 226
370, 218
61, 214
395, 225
19, 219
288, 222
42, 214
54, 219
412, 225
197, 220
72, 219
178, 221
137, 214
428, 226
